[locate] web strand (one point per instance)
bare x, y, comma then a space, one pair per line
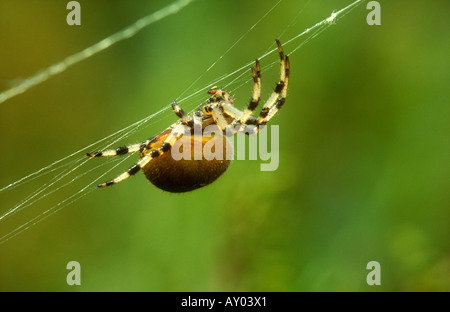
104, 44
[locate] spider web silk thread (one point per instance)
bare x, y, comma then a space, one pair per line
73, 59
60, 205
312, 32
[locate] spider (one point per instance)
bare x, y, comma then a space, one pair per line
189, 174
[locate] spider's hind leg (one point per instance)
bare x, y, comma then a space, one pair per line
123, 149
175, 134
119, 151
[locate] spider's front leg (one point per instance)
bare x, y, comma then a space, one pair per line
251, 125
278, 96
255, 97
241, 119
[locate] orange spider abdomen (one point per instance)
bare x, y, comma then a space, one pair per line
185, 175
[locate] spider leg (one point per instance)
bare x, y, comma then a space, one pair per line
176, 133
255, 98
271, 107
252, 125
219, 118
198, 122
228, 129
279, 103
280, 89
241, 118
247, 128
181, 114
231, 111
227, 110
119, 151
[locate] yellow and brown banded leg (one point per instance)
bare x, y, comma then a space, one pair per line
275, 101
278, 96
256, 96
281, 99
119, 151
176, 133
239, 117
181, 114
249, 124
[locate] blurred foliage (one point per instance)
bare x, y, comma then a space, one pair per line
364, 149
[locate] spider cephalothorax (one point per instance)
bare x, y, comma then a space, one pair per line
184, 175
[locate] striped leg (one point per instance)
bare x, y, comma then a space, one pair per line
255, 98
282, 98
119, 151
249, 124
181, 114
279, 89
240, 118
218, 113
219, 118
176, 133
231, 111
252, 125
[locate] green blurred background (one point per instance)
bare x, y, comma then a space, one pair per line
364, 150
